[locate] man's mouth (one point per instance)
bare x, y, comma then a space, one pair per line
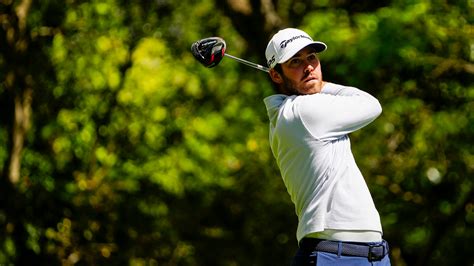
310, 78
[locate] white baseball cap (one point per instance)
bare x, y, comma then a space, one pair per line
286, 43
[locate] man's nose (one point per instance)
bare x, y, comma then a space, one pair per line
309, 67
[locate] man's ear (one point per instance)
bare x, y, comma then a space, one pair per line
275, 76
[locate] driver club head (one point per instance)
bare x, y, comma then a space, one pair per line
209, 51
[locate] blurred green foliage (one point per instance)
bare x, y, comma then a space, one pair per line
131, 153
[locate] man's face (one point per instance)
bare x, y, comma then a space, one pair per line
301, 74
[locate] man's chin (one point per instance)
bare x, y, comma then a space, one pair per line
304, 88
312, 87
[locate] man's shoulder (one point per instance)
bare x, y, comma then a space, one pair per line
332, 85
275, 100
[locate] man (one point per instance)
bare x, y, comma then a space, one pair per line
310, 120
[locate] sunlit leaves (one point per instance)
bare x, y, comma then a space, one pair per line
151, 77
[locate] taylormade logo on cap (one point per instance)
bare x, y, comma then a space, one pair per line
286, 43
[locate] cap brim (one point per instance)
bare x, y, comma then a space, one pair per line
318, 47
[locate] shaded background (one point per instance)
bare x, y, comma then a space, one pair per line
118, 148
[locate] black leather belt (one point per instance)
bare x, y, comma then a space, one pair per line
371, 251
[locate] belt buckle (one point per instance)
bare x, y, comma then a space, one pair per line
372, 256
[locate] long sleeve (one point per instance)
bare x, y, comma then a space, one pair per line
308, 138
337, 111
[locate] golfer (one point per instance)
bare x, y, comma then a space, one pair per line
310, 120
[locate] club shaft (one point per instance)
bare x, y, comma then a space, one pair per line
248, 63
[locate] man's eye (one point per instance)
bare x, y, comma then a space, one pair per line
312, 57
295, 61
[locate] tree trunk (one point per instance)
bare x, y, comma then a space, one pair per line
19, 84
21, 124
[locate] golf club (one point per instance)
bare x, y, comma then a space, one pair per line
210, 51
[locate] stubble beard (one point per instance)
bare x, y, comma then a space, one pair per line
290, 87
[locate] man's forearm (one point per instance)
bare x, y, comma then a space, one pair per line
333, 89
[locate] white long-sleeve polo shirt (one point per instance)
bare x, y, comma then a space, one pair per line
309, 140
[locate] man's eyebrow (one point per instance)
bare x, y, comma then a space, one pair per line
297, 55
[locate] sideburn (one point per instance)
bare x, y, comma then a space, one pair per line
288, 87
